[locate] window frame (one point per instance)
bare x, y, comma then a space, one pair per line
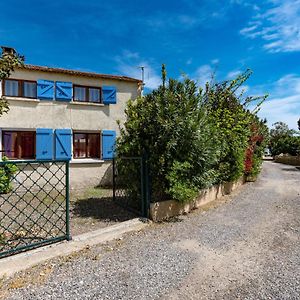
87, 93
19, 132
20, 87
86, 133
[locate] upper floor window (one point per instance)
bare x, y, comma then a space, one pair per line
19, 144
87, 94
19, 88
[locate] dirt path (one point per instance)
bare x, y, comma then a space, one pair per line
247, 247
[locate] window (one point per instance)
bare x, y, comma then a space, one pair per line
18, 144
11, 88
87, 94
86, 145
29, 89
19, 88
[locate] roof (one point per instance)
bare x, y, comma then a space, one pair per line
80, 73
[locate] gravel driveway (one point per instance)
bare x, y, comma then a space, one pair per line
243, 247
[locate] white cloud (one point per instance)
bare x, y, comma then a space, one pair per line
189, 61
283, 103
233, 74
278, 26
215, 61
284, 109
203, 74
130, 63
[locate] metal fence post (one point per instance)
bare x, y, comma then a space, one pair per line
68, 201
114, 179
142, 170
146, 181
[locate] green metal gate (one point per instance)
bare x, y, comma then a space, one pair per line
131, 184
34, 204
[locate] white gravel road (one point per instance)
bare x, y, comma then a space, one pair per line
247, 247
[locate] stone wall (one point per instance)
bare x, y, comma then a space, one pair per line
163, 210
288, 159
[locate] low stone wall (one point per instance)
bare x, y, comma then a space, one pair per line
288, 160
166, 209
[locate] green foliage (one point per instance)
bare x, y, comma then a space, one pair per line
285, 144
8, 62
283, 140
256, 146
195, 138
181, 185
6, 174
228, 111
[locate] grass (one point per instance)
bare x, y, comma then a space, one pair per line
90, 193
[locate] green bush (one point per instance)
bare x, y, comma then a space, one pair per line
286, 144
283, 140
6, 174
194, 138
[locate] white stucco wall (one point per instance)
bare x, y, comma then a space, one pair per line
29, 114
33, 113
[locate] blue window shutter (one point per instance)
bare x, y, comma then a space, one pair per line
44, 143
63, 139
63, 91
45, 89
109, 94
108, 144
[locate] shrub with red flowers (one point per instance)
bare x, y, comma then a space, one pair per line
256, 145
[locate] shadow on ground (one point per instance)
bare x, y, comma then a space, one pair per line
291, 169
103, 209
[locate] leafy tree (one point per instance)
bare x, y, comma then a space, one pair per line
228, 111
282, 140
9, 60
256, 146
298, 124
281, 129
194, 137
172, 127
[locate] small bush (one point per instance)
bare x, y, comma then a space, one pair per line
6, 174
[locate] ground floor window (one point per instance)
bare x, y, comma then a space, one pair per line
86, 145
18, 144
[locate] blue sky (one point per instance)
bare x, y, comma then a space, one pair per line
191, 37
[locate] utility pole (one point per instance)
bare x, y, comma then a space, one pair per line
143, 78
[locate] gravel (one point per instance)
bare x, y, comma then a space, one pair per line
243, 247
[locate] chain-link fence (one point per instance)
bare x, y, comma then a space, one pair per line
34, 204
131, 184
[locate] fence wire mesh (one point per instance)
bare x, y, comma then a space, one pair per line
130, 184
34, 204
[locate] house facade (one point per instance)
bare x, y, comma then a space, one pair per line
65, 115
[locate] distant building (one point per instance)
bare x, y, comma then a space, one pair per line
65, 114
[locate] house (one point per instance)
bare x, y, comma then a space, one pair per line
65, 115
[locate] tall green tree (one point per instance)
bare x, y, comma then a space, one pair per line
228, 110
283, 140
195, 138
170, 125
